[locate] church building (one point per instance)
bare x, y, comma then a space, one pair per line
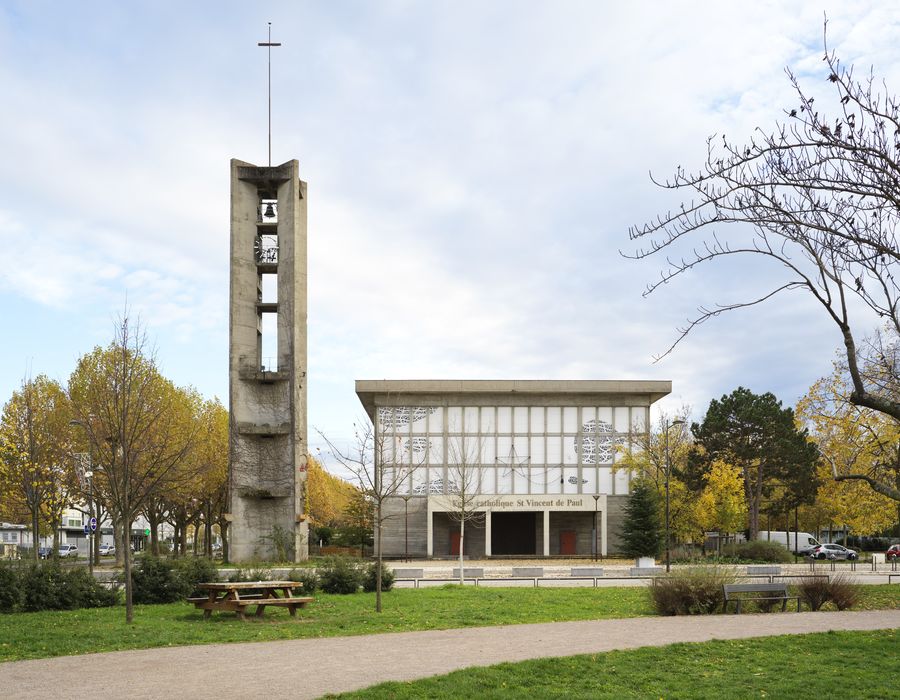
527, 466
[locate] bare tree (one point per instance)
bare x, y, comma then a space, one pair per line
139, 424
464, 487
381, 472
818, 195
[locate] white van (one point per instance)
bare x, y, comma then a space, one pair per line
798, 542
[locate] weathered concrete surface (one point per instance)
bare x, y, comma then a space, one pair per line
308, 668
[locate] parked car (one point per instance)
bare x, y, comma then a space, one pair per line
107, 549
833, 551
45, 552
893, 552
68, 550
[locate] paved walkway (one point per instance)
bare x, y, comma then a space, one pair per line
308, 668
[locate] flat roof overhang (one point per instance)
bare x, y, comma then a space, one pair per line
401, 391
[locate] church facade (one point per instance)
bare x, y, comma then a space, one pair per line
511, 468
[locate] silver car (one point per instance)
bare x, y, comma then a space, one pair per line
833, 551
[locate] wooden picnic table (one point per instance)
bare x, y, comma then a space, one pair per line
236, 597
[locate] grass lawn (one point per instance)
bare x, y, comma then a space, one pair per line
59, 633
860, 665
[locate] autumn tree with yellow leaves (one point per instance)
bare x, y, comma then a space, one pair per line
37, 454
856, 440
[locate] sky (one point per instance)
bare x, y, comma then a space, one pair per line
473, 170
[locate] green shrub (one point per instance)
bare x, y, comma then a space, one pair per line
43, 588
251, 573
84, 591
156, 581
10, 588
50, 587
195, 570
758, 551
340, 575
369, 578
691, 591
307, 577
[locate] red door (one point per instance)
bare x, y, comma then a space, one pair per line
567, 542
454, 543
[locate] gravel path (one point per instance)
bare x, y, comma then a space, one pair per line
308, 668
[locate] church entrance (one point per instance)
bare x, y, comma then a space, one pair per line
513, 533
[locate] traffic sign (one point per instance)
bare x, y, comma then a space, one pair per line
93, 524
147, 531
87, 529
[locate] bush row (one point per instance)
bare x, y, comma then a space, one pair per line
47, 586
169, 580
700, 592
341, 575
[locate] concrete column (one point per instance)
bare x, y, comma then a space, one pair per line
603, 530
546, 533
487, 534
429, 531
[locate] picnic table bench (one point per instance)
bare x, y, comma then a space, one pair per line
237, 596
739, 592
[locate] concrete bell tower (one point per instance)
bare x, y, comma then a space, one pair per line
267, 363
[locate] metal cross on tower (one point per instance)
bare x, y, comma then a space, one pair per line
269, 44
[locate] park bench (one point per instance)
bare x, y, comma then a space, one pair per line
739, 592
236, 596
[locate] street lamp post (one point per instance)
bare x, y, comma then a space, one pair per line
668, 474
89, 475
596, 533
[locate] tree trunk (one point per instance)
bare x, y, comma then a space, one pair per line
35, 534
129, 585
378, 560
462, 547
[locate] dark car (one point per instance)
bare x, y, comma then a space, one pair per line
893, 552
45, 552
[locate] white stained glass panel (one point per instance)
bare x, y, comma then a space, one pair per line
588, 414
420, 482
554, 450
605, 483
520, 419
570, 419
536, 450
504, 480
387, 455
385, 420
571, 480
470, 417
488, 419
403, 455
570, 456
621, 422
554, 480
621, 478
436, 421
639, 419
520, 449
454, 419
418, 419
489, 480
472, 445
605, 414
537, 419
436, 451
504, 450
554, 419
504, 419
590, 480
488, 451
